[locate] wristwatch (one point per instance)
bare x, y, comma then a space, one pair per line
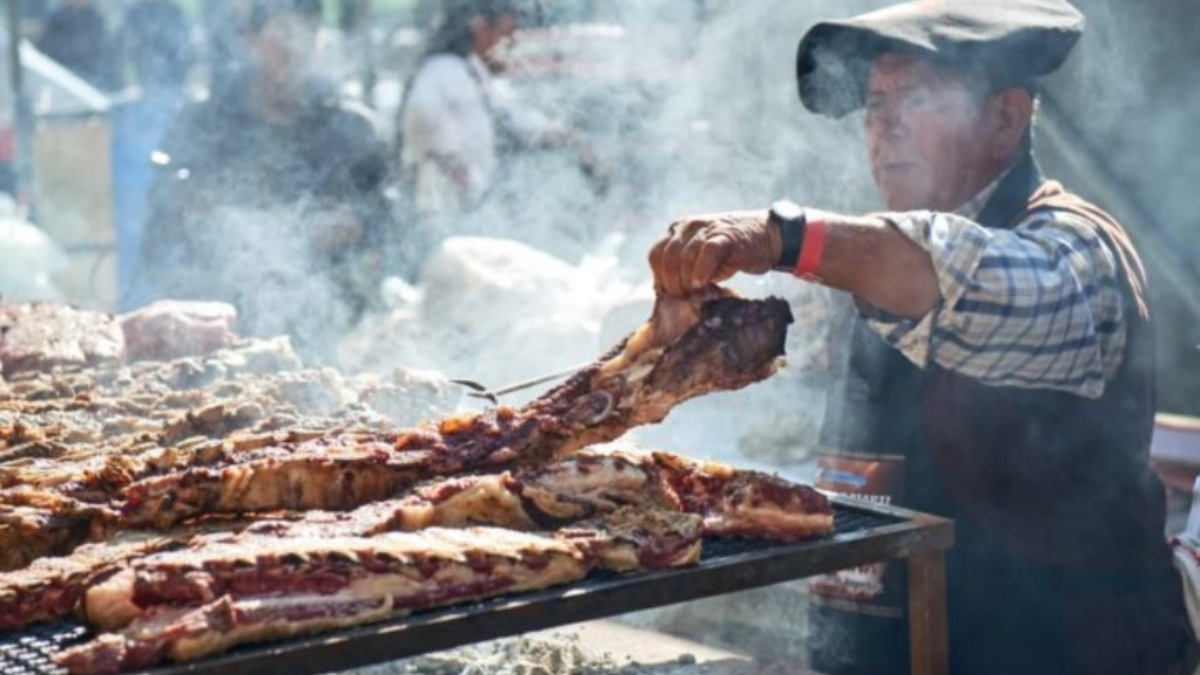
789, 218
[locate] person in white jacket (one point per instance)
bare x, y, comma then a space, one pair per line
456, 120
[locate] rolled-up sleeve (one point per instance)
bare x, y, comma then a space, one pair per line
1038, 306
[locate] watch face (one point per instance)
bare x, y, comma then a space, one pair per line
786, 210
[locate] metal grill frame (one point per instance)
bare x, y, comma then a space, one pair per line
864, 533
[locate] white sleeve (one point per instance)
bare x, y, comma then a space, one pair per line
438, 110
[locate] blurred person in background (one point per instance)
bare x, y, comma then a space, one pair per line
456, 122
154, 43
269, 195
76, 36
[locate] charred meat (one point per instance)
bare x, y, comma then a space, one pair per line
731, 344
39, 337
187, 604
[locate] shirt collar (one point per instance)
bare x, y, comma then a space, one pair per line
974, 206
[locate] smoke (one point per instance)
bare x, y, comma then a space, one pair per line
692, 107
1133, 94
267, 270
686, 115
696, 112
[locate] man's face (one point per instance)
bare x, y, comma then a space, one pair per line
285, 47
926, 133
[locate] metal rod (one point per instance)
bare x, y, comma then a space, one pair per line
22, 115
518, 386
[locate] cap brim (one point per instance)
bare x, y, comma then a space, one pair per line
1014, 40
833, 63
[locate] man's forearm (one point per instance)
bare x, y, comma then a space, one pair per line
872, 260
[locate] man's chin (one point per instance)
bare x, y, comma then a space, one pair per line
900, 190
904, 200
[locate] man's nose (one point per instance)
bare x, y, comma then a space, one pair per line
887, 120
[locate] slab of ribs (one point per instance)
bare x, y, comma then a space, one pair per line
180, 508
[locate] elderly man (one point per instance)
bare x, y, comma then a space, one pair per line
1003, 352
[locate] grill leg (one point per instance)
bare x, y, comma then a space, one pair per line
927, 613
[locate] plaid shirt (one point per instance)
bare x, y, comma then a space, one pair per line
1038, 306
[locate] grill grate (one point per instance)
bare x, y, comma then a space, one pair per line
27, 652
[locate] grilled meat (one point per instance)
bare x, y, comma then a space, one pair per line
565, 493
562, 493
225, 590
192, 632
737, 502
689, 348
362, 521
38, 337
34, 524
329, 473
186, 604
733, 343
632, 539
729, 502
51, 588
168, 329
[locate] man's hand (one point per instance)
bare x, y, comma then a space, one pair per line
705, 250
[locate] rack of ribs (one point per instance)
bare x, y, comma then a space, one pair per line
687, 497
741, 503
563, 493
673, 495
224, 590
730, 502
726, 343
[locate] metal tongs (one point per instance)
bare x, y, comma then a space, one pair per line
493, 395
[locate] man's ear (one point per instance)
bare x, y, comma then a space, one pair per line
1012, 113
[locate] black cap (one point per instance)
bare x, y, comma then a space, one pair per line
1014, 39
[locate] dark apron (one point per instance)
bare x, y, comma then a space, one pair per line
1012, 607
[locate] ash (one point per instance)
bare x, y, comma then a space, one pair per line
563, 654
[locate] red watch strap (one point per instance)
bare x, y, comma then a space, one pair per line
808, 267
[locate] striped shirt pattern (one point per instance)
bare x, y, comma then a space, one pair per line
1037, 306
